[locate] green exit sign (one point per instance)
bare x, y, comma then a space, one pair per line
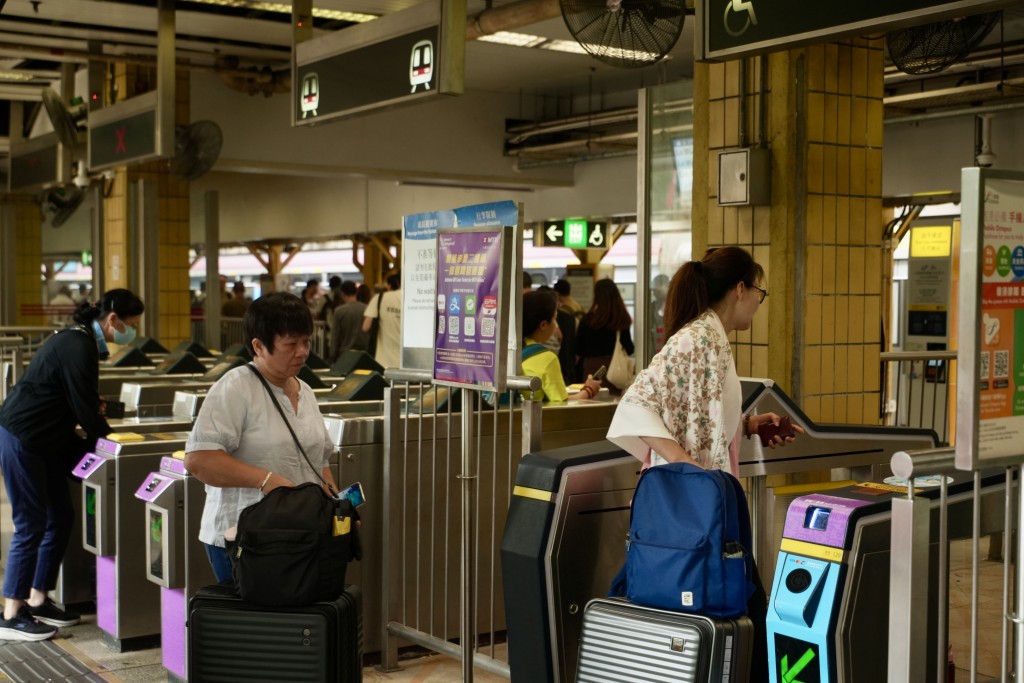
86, 258
574, 233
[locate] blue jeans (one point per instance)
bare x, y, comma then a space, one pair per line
38, 489
220, 562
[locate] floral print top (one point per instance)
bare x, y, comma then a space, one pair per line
689, 393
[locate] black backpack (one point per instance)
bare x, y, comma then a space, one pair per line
293, 547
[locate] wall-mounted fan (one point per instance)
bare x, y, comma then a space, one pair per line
930, 48
625, 33
196, 148
61, 118
59, 203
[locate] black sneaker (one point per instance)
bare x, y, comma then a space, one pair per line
49, 613
24, 627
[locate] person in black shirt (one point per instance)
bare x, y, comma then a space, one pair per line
606, 320
38, 447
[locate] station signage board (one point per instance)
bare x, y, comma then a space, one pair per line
124, 133
733, 28
990, 371
400, 58
37, 163
574, 233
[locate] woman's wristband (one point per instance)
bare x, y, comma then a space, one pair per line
265, 480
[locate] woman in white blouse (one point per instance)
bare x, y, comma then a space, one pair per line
240, 446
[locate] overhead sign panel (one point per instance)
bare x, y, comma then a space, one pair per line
733, 28
574, 233
401, 58
124, 133
37, 163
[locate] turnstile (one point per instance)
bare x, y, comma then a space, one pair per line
127, 605
564, 541
175, 558
828, 617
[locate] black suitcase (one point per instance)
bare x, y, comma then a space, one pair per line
230, 640
623, 642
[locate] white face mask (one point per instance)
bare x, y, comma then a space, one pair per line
123, 338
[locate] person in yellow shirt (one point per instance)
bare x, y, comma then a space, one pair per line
539, 323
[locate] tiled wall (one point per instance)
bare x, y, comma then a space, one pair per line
172, 305
818, 332
28, 248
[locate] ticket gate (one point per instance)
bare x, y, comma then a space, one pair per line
828, 617
564, 541
127, 605
175, 558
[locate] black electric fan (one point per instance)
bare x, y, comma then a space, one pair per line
625, 33
196, 148
930, 48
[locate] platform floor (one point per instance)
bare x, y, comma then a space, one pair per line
82, 648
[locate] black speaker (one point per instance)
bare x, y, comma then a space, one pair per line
149, 345
360, 385
316, 362
180, 363
226, 363
193, 347
130, 357
311, 378
353, 360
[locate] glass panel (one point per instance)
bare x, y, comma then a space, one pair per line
669, 194
156, 544
90, 517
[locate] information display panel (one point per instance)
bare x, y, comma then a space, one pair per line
990, 364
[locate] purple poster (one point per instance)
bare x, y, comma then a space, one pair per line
468, 319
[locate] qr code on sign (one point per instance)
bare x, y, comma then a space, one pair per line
983, 372
1001, 364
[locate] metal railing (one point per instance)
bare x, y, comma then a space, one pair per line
444, 512
10, 364
919, 390
231, 332
909, 570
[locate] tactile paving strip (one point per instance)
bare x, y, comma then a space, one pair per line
45, 662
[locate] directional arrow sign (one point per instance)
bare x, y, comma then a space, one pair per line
554, 233
789, 674
575, 233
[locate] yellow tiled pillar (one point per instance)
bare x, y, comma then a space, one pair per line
173, 297
28, 260
818, 334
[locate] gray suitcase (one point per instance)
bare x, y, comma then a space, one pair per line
624, 642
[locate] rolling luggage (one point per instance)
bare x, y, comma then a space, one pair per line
230, 640
623, 642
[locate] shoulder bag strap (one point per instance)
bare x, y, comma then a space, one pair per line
280, 411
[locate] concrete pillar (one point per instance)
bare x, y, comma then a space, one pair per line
22, 259
818, 333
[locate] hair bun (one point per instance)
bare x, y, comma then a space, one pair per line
698, 266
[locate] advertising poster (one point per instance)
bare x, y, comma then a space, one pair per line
1001, 362
468, 323
419, 263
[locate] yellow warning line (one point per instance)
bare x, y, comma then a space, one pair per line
92, 665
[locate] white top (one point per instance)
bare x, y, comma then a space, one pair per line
389, 337
689, 394
238, 417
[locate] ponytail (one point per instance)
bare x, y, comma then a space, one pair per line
698, 285
120, 301
86, 313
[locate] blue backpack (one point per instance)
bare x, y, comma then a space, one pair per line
689, 543
491, 399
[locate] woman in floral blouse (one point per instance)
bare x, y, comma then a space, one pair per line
686, 405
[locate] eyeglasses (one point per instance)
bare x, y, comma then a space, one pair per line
762, 295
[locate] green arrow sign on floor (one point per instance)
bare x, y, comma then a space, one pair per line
789, 675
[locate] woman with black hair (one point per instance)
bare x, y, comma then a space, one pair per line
686, 406
606, 321
38, 447
241, 446
540, 310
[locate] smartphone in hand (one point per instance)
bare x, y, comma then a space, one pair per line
601, 371
353, 493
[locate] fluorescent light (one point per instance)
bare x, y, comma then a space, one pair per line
514, 39
283, 8
564, 46
15, 76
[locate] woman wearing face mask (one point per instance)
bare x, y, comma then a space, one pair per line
38, 447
